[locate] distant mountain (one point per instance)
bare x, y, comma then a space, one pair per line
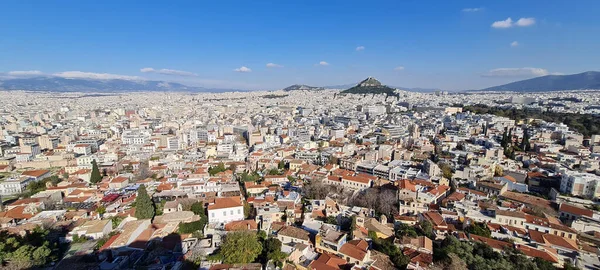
586, 80
301, 87
370, 86
59, 84
416, 89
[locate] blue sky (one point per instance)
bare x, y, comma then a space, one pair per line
453, 45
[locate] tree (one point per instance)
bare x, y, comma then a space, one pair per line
101, 210
477, 229
144, 207
272, 251
498, 170
240, 247
525, 142
95, 177
217, 169
281, 165
191, 227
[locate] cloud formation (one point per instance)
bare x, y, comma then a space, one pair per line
273, 65
399, 68
97, 76
165, 71
514, 44
360, 48
323, 63
242, 69
25, 73
516, 72
525, 22
508, 23
472, 9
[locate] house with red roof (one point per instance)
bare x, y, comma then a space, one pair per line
225, 210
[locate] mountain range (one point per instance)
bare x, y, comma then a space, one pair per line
60, 84
580, 81
585, 80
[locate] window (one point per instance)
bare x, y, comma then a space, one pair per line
212, 214
239, 212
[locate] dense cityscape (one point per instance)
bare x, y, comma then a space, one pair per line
298, 179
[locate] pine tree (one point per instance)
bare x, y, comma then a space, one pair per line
504, 138
525, 142
95, 177
144, 208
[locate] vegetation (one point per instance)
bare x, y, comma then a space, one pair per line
35, 187
272, 251
95, 177
371, 90
144, 207
249, 177
217, 169
30, 251
387, 247
586, 124
405, 230
481, 256
479, 229
191, 227
240, 247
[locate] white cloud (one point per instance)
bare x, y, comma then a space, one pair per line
165, 71
242, 69
525, 22
399, 68
514, 44
323, 63
360, 48
503, 24
472, 9
97, 76
508, 23
25, 73
516, 72
273, 65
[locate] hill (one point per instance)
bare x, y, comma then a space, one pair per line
59, 84
370, 86
415, 89
296, 87
586, 80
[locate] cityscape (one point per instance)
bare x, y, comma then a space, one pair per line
166, 169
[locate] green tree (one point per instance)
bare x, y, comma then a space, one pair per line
95, 177
481, 230
281, 165
525, 142
144, 207
101, 210
240, 247
217, 169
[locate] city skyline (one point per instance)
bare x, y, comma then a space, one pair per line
267, 46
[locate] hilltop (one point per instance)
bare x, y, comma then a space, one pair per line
370, 86
580, 81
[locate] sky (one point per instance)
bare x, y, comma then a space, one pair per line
268, 45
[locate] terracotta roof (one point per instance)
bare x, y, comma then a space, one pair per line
356, 249
227, 202
241, 225
327, 262
294, 232
556, 240
496, 244
35, 173
571, 209
548, 255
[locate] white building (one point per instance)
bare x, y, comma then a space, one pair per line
225, 210
580, 183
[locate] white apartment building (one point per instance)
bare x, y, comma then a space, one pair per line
13, 186
580, 183
135, 136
